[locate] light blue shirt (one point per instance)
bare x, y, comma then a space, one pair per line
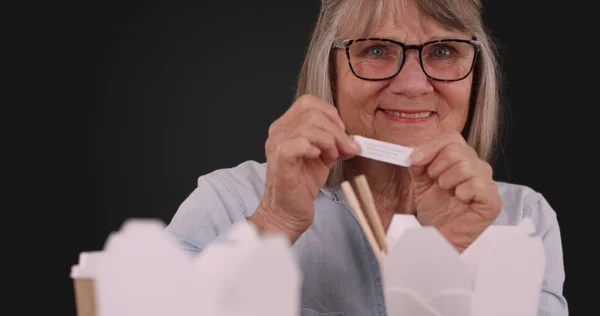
340, 275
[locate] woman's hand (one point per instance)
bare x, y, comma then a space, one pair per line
453, 189
302, 146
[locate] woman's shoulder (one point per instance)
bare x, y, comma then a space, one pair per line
248, 174
515, 194
220, 198
522, 201
243, 183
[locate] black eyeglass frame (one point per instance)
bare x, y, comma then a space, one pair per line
345, 44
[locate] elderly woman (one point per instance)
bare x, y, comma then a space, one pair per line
418, 73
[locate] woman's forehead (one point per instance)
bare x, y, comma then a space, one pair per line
414, 28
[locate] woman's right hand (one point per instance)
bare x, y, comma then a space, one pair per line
302, 146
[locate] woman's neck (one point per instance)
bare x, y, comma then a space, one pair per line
389, 184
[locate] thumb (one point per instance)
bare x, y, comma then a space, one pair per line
418, 169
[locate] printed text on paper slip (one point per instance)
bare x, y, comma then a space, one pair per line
383, 151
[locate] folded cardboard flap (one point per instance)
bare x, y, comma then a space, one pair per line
142, 271
500, 274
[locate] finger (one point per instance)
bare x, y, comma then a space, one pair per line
486, 169
473, 191
350, 148
309, 102
278, 131
345, 143
284, 127
425, 153
455, 175
434, 163
446, 158
419, 175
290, 152
321, 139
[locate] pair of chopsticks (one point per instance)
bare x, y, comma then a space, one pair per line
375, 234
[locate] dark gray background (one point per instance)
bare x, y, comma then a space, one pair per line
165, 92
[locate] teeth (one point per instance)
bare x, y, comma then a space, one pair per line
408, 115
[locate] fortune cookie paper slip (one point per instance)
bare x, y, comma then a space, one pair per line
384, 151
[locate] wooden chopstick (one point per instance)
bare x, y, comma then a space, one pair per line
369, 203
355, 205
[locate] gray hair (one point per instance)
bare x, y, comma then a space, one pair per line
339, 19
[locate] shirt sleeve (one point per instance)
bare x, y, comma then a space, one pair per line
552, 301
207, 213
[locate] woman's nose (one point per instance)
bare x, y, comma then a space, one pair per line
411, 80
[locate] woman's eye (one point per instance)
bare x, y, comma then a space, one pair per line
441, 51
376, 51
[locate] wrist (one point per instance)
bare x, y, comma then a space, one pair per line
269, 221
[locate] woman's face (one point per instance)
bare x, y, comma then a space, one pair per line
410, 108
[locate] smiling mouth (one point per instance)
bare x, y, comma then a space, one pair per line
412, 114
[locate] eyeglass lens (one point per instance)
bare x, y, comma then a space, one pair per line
375, 59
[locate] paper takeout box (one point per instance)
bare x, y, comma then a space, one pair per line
142, 272
83, 276
500, 274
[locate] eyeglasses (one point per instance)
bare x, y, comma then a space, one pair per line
381, 59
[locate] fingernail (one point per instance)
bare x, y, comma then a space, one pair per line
416, 156
354, 144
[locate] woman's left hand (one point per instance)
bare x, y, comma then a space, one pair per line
453, 189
